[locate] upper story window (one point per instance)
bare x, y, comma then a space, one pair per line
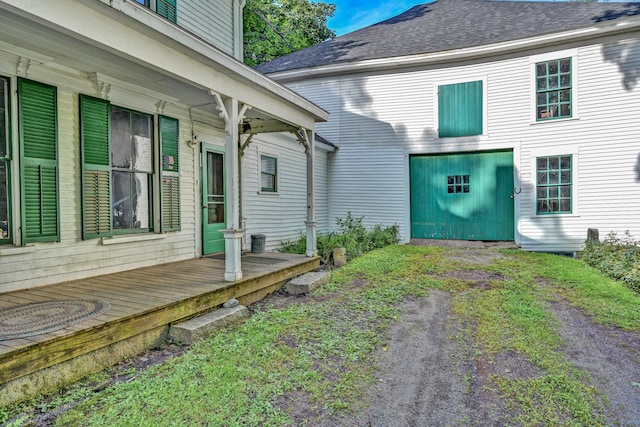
553, 89
268, 174
460, 109
166, 8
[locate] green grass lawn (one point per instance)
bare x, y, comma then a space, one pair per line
322, 352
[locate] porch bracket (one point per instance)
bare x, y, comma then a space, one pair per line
245, 144
102, 88
301, 135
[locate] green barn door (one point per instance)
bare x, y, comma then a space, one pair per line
462, 196
213, 199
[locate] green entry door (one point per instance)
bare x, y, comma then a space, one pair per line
464, 196
213, 200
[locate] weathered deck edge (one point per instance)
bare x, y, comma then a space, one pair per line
34, 358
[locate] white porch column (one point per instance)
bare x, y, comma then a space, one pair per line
233, 233
312, 225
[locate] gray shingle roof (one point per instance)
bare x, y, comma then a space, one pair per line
452, 24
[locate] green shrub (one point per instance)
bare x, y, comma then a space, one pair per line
618, 258
351, 235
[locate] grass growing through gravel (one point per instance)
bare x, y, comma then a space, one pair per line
319, 356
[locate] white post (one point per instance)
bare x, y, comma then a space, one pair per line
312, 225
233, 233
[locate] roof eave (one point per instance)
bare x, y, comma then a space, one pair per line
381, 64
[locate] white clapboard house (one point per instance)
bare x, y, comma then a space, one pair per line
483, 120
122, 123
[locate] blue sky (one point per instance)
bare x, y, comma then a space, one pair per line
352, 15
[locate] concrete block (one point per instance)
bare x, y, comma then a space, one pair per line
201, 327
339, 257
307, 282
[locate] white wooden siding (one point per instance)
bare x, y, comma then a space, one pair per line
212, 20
380, 119
281, 216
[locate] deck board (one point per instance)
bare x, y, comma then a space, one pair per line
140, 300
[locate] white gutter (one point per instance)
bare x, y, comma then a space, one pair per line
607, 28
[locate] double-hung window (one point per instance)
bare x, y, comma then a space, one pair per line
5, 160
166, 8
554, 185
460, 109
268, 174
119, 170
553, 89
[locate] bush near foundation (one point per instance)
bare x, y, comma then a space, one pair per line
617, 257
351, 235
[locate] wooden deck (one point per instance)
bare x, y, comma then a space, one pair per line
141, 300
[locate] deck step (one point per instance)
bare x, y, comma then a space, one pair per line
307, 282
201, 327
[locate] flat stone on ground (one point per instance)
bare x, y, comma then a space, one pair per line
201, 327
307, 282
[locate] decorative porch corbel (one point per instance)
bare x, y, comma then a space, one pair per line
22, 67
161, 106
301, 135
102, 88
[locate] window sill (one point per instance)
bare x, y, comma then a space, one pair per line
129, 239
542, 122
16, 250
269, 193
571, 215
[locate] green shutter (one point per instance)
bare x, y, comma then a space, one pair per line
167, 8
37, 104
170, 176
96, 175
460, 109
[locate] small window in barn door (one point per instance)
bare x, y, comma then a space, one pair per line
458, 184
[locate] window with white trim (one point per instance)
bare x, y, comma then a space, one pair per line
554, 84
554, 192
268, 174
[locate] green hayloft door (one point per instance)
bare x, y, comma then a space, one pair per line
462, 196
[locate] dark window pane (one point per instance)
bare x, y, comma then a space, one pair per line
554, 206
458, 179
450, 189
450, 180
554, 163
565, 205
542, 99
542, 83
541, 69
4, 122
565, 95
140, 201
553, 191
565, 80
542, 178
121, 144
553, 67
565, 162
552, 82
121, 200
543, 206
565, 191
565, 110
553, 97
542, 163
465, 179
565, 177
141, 125
465, 188
542, 193
553, 177
565, 65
